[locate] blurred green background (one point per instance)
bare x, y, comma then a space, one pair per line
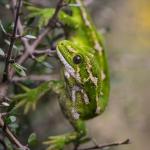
127, 24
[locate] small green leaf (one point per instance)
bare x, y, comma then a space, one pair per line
8, 43
5, 104
19, 69
7, 6
2, 52
32, 140
41, 58
13, 126
30, 37
12, 118
48, 65
43, 14
2, 27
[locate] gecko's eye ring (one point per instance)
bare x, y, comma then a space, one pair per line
77, 59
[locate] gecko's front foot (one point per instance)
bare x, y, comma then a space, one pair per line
56, 142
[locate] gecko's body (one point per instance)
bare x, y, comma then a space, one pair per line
85, 73
93, 73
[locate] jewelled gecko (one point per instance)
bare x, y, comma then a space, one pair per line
86, 75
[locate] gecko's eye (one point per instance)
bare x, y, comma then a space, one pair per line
77, 59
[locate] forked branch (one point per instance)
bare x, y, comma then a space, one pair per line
100, 147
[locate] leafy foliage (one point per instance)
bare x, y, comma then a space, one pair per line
32, 140
19, 69
44, 15
2, 52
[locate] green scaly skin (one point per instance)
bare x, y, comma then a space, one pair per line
86, 76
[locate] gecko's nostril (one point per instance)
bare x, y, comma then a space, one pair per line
62, 44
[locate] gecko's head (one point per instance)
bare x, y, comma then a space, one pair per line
73, 58
69, 53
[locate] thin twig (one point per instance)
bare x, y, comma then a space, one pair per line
36, 78
98, 147
40, 37
45, 51
10, 135
8, 55
25, 41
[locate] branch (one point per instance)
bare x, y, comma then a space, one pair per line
127, 141
36, 78
10, 135
48, 52
8, 55
51, 25
3, 90
25, 41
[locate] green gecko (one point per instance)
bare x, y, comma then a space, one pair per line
86, 76
84, 93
